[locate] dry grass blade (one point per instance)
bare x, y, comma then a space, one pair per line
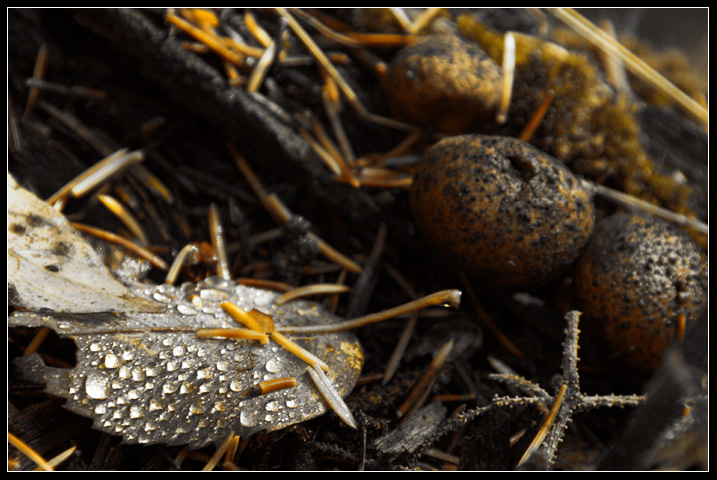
345, 88
214, 460
632, 201
97, 174
450, 297
545, 427
632, 62
331, 396
29, 452
128, 244
218, 242
309, 290
178, 262
508, 77
422, 388
37, 74
125, 216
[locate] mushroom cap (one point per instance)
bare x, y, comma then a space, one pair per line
638, 274
507, 212
444, 82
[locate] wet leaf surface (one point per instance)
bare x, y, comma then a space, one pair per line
170, 387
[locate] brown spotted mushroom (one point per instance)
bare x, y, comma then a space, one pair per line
444, 82
640, 283
510, 214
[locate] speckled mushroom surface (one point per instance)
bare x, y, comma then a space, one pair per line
636, 277
505, 211
444, 82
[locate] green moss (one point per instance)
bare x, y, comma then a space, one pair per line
588, 126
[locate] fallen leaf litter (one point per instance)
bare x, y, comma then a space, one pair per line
152, 339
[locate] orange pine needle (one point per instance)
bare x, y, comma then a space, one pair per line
29, 452
532, 125
129, 245
237, 333
210, 40
242, 317
265, 321
299, 351
269, 386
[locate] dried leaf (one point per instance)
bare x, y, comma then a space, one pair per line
141, 370
51, 266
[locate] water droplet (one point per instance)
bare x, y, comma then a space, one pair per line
138, 375
262, 298
217, 281
100, 409
196, 301
135, 411
111, 361
97, 387
235, 386
166, 288
205, 388
169, 387
222, 366
213, 295
273, 366
160, 297
178, 351
272, 406
95, 347
124, 373
185, 309
248, 419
